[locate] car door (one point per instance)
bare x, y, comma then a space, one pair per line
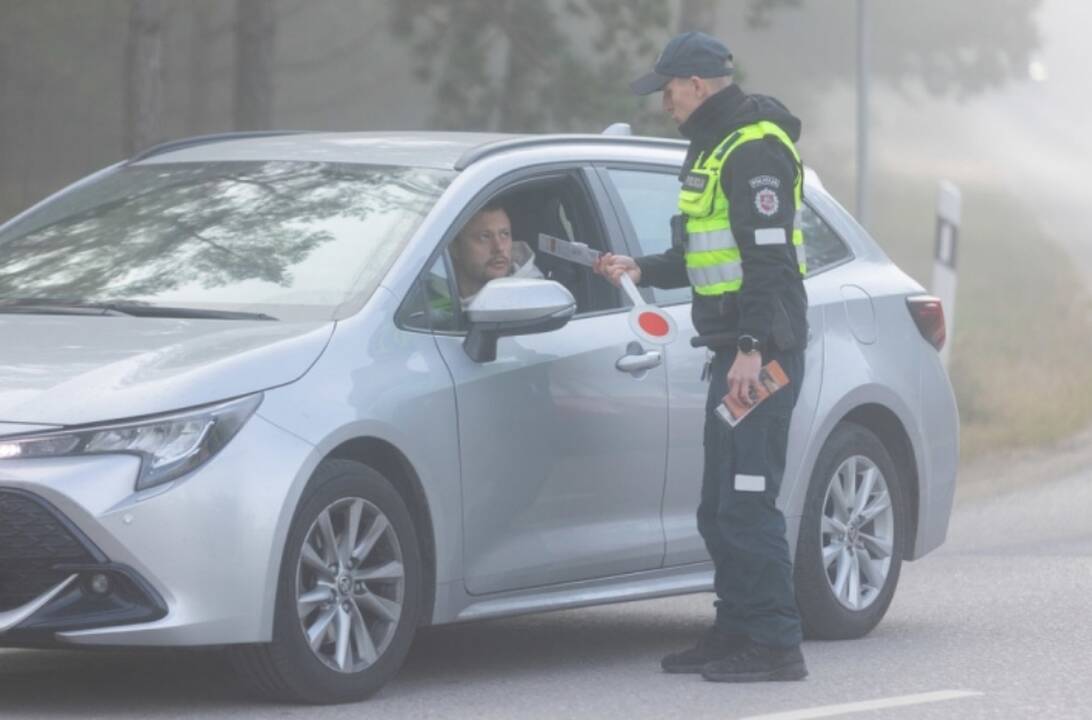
562, 454
645, 198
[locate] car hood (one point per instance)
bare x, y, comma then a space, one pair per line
71, 370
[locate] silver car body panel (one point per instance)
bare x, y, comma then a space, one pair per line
73, 370
562, 455
349, 395
605, 509
697, 577
687, 417
205, 552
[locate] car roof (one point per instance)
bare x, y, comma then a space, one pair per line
443, 150
413, 149
428, 149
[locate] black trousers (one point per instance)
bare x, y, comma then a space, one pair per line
738, 516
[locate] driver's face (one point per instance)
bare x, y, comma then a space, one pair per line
484, 248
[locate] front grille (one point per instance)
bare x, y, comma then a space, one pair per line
33, 539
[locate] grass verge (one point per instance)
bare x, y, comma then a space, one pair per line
1022, 345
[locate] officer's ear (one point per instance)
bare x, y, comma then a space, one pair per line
704, 87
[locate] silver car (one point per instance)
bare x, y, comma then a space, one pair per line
242, 405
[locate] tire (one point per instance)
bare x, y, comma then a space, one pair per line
342, 668
831, 606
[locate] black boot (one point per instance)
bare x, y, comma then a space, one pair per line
755, 663
714, 645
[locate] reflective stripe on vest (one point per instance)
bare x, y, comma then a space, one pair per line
713, 240
798, 238
713, 261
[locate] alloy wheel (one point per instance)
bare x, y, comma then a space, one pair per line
857, 532
350, 585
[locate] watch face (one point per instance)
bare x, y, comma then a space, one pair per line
747, 344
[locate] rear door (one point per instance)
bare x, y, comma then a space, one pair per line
645, 198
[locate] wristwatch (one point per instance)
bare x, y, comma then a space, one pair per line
748, 344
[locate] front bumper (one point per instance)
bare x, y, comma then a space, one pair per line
52, 578
194, 562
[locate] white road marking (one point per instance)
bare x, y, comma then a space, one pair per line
900, 701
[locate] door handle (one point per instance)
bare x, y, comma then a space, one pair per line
632, 363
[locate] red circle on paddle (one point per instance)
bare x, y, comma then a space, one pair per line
653, 324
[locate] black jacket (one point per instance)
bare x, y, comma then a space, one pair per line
771, 304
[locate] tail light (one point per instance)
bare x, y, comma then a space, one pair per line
928, 314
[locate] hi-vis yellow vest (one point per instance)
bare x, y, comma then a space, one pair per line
712, 257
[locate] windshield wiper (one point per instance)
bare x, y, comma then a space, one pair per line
36, 306
48, 308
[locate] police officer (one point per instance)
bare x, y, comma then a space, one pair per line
736, 245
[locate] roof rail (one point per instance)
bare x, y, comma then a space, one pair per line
172, 145
480, 152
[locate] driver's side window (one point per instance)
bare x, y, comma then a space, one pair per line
485, 249
501, 239
560, 207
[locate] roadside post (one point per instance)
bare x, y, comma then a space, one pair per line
945, 255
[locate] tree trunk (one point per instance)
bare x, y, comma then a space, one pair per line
144, 75
511, 115
200, 41
698, 15
255, 26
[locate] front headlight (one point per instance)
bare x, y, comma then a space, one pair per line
168, 446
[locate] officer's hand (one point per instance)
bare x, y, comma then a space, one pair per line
612, 266
743, 377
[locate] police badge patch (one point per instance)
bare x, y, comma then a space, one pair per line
766, 202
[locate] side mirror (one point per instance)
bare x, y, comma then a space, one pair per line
514, 306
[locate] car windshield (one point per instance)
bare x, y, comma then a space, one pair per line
294, 240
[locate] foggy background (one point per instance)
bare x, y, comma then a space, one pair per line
987, 93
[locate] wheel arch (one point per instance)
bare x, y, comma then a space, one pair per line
883, 413
389, 461
887, 426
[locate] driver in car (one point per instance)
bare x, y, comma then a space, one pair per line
484, 250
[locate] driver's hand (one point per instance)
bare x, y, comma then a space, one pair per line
612, 266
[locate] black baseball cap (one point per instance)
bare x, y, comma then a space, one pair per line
687, 55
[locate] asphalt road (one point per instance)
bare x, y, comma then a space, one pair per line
995, 624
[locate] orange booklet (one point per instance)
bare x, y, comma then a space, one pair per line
770, 379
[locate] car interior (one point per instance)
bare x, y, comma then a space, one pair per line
559, 206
